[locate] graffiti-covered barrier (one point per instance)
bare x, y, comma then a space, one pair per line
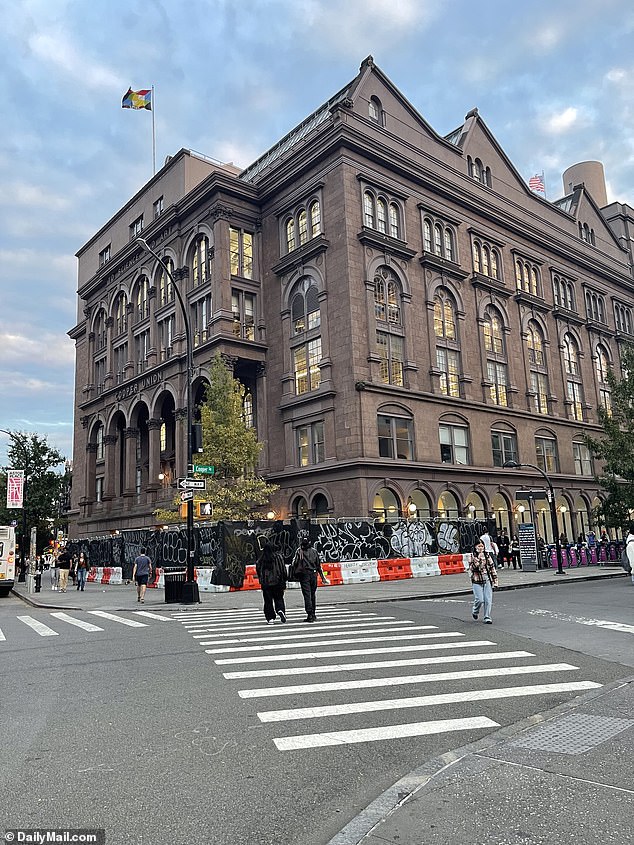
228, 549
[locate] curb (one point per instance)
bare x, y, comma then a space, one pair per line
406, 787
375, 600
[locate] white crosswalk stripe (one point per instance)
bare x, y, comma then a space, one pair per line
79, 623
341, 630
132, 623
241, 638
2, 636
294, 743
150, 615
39, 627
376, 664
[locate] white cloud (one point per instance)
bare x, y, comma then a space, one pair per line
616, 75
32, 196
563, 121
55, 48
20, 385
50, 348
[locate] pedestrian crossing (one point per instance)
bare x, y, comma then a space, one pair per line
445, 674
57, 623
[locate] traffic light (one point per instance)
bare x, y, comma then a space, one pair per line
204, 510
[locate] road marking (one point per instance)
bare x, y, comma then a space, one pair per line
151, 615
293, 743
2, 636
131, 622
260, 623
422, 701
620, 627
313, 655
190, 616
402, 680
39, 627
86, 626
332, 627
333, 631
330, 642
377, 664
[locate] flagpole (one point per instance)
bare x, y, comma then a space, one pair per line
543, 180
153, 135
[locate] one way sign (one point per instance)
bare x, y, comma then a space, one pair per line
192, 484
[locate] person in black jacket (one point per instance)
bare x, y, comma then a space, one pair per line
307, 565
271, 572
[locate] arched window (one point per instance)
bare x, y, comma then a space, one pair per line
315, 219
389, 338
386, 505
247, 408
302, 226
305, 337
375, 110
537, 365
290, 235
166, 288
395, 227
200, 262
574, 389
602, 367
142, 299
396, 436
121, 314
427, 235
101, 333
381, 216
497, 367
447, 346
368, 210
448, 243
100, 442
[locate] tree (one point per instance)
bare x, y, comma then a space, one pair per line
44, 487
231, 447
616, 448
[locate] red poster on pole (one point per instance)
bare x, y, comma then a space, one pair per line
15, 488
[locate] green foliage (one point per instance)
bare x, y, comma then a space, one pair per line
616, 448
232, 448
38, 459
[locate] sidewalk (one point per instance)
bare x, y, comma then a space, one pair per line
122, 597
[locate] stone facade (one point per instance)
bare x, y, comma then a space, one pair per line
405, 314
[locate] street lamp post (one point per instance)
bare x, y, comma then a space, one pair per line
23, 540
189, 593
553, 510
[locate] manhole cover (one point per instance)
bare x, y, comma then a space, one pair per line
573, 734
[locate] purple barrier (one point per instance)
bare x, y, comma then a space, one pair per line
574, 561
593, 555
602, 555
584, 557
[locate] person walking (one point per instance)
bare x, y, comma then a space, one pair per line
490, 546
141, 572
307, 565
504, 553
64, 561
82, 571
484, 579
515, 552
271, 572
629, 548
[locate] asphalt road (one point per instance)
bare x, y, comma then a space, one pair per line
142, 730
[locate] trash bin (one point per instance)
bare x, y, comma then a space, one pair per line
174, 580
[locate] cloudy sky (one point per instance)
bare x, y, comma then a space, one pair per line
553, 79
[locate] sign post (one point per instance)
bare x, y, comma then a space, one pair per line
528, 546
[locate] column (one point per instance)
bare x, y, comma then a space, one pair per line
154, 456
91, 458
130, 367
109, 377
110, 466
152, 357
131, 437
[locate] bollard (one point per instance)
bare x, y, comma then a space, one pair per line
38, 581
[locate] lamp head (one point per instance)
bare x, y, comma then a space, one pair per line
511, 465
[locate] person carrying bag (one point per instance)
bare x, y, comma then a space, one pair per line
305, 568
271, 572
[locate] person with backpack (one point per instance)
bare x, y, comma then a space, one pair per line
306, 566
271, 572
484, 580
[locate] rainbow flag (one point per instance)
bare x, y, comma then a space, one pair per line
137, 100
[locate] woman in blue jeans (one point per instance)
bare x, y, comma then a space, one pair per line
82, 571
484, 578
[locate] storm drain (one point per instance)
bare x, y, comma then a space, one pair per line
573, 734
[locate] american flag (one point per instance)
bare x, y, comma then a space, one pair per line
536, 183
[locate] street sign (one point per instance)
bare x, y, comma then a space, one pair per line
528, 546
187, 495
203, 469
192, 484
536, 495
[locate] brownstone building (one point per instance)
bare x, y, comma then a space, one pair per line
404, 314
